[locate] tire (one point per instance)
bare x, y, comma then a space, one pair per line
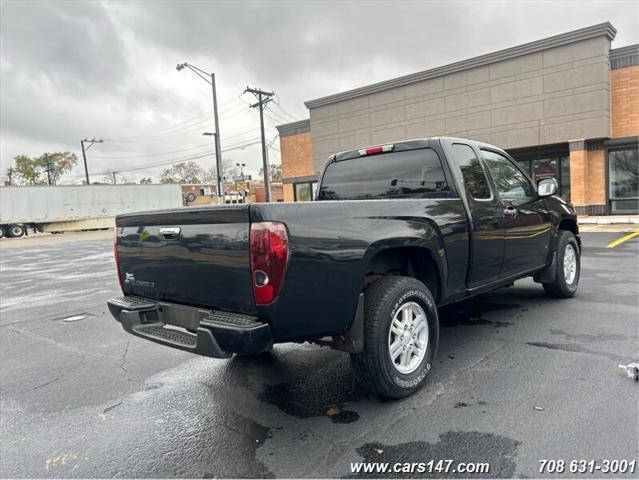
16, 230
566, 279
386, 300
2, 232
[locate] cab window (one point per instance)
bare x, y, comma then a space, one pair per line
510, 182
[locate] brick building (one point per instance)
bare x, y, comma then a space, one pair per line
564, 106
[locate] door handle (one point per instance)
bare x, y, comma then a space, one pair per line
170, 233
510, 211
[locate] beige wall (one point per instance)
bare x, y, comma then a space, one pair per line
545, 97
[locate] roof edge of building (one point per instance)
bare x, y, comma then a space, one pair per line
623, 57
586, 33
294, 128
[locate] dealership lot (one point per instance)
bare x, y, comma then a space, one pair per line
520, 378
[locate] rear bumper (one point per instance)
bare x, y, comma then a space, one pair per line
212, 333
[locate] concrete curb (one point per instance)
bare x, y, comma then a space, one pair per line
608, 220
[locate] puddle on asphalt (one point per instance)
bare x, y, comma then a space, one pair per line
471, 314
467, 447
324, 387
247, 438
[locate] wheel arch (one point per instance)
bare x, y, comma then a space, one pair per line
409, 259
571, 225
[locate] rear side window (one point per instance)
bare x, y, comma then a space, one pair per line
472, 172
413, 173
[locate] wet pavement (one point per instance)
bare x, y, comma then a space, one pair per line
520, 377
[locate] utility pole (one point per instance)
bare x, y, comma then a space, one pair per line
46, 161
84, 155
263, 98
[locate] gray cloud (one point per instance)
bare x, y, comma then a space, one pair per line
75, 69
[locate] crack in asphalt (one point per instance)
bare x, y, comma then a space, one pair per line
566, 347
123, 361
63, 374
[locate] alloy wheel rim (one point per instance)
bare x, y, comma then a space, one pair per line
570, 264
408, 338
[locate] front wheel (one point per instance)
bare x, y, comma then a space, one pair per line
401, 333
568, 267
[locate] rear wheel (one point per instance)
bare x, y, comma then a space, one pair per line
16, 230
568, 267
1, 232
401, 332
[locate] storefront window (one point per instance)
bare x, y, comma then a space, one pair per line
555, 167
564, 180
623, 179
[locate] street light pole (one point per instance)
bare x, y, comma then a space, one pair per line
218, 147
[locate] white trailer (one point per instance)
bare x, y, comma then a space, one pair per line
78, 207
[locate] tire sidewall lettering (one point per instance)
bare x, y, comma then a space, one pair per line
414, 379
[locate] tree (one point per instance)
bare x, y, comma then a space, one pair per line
112, 176
276, 172
229, 170
10, 176
27, 171
38, 170
185, 172
146, 181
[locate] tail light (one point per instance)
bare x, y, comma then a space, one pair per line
115, 256
269, 258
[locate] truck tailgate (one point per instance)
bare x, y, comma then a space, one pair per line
195, 256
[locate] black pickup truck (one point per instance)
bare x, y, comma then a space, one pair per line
395, 231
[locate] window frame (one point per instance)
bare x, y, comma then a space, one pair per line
612, 145
514, 163
480, 159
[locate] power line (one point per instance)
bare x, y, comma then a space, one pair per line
277, 102
281, 119
157, 154
181, 124
239, 146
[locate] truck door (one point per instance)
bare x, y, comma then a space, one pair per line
487, 217
527, 219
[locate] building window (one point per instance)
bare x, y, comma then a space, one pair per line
623, 181
557, 167
304, 192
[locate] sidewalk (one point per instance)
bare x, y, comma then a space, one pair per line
608, 220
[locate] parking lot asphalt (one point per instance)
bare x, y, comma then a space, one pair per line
520, 378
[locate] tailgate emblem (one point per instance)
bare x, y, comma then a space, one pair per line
129, 279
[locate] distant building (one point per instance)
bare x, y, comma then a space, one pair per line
564, 106
199, 189
260, 195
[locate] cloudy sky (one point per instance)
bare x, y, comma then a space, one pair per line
70, 70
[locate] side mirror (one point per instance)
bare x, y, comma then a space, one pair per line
547, 187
